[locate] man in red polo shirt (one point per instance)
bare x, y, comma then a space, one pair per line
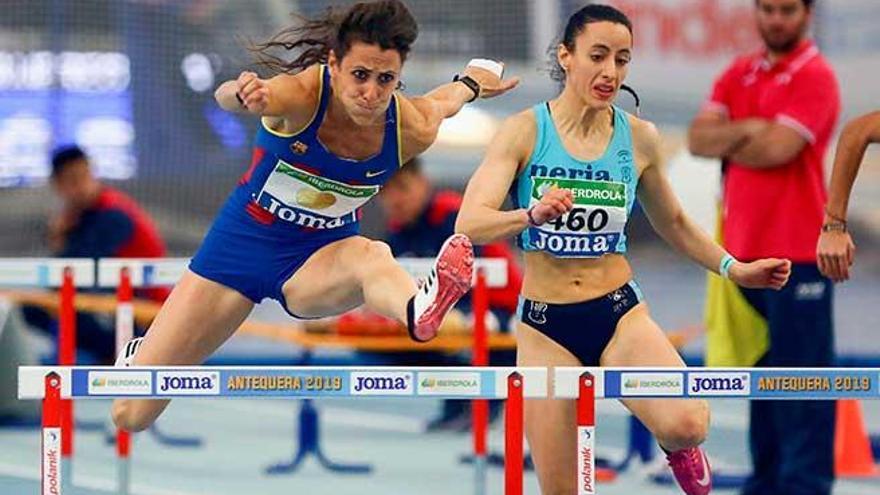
96, 221
769, 119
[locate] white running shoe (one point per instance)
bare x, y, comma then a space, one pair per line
126, 357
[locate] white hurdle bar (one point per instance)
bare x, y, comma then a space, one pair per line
590, 384
158, 272
45, 272
52, 384
162, 272
297, 382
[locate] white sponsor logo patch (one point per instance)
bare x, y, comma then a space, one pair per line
188, 382
381, 383
719, 384
120, 383
449, 383
652, 384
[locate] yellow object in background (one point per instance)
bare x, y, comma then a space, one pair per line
736, 334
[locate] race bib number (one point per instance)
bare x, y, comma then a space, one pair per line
592, 228
309, 200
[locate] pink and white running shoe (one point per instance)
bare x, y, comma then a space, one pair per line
449, 280
691, 470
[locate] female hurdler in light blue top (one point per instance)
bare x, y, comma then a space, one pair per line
573, 167
603, 191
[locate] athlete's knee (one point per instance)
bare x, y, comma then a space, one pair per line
557, 484
377, 255
555, 473
691, 426
379, 251
128, 416
559, 487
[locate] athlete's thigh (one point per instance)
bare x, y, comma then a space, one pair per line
328, 283
640, 342
550, 423
198, 316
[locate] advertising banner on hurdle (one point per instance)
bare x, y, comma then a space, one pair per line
45, 272
287, 382
726, 383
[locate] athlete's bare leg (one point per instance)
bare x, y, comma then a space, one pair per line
551, 423
639, 341
356, 270
195, 320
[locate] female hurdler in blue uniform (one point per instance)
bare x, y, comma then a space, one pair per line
333, 131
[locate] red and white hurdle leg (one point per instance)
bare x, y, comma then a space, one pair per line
586, 435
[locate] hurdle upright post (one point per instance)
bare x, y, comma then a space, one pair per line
124, 333
513, 436
480, 407
67, 357
586, 434
51, 476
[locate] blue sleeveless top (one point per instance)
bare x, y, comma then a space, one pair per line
295, 184
604, 192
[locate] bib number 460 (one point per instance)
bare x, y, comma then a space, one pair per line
577, 219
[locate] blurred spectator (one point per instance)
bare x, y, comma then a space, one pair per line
769, 119
420, 219
96, 221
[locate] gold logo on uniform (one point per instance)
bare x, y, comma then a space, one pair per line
299, 147
315, 200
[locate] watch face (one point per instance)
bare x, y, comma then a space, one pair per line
470, 83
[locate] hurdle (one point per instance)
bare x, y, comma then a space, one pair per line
65, 274
588, 385
151, 272
53, 385
126, 274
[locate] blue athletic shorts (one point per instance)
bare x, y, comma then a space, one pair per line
255, 259
583, 328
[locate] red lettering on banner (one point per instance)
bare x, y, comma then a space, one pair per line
692, 28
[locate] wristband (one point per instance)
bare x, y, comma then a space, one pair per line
834, 227
726, 263
492, 66
532, 221
470, 83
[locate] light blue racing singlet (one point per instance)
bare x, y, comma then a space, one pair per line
604, 192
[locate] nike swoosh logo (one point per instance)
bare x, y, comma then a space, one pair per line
370, 174
707, 477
